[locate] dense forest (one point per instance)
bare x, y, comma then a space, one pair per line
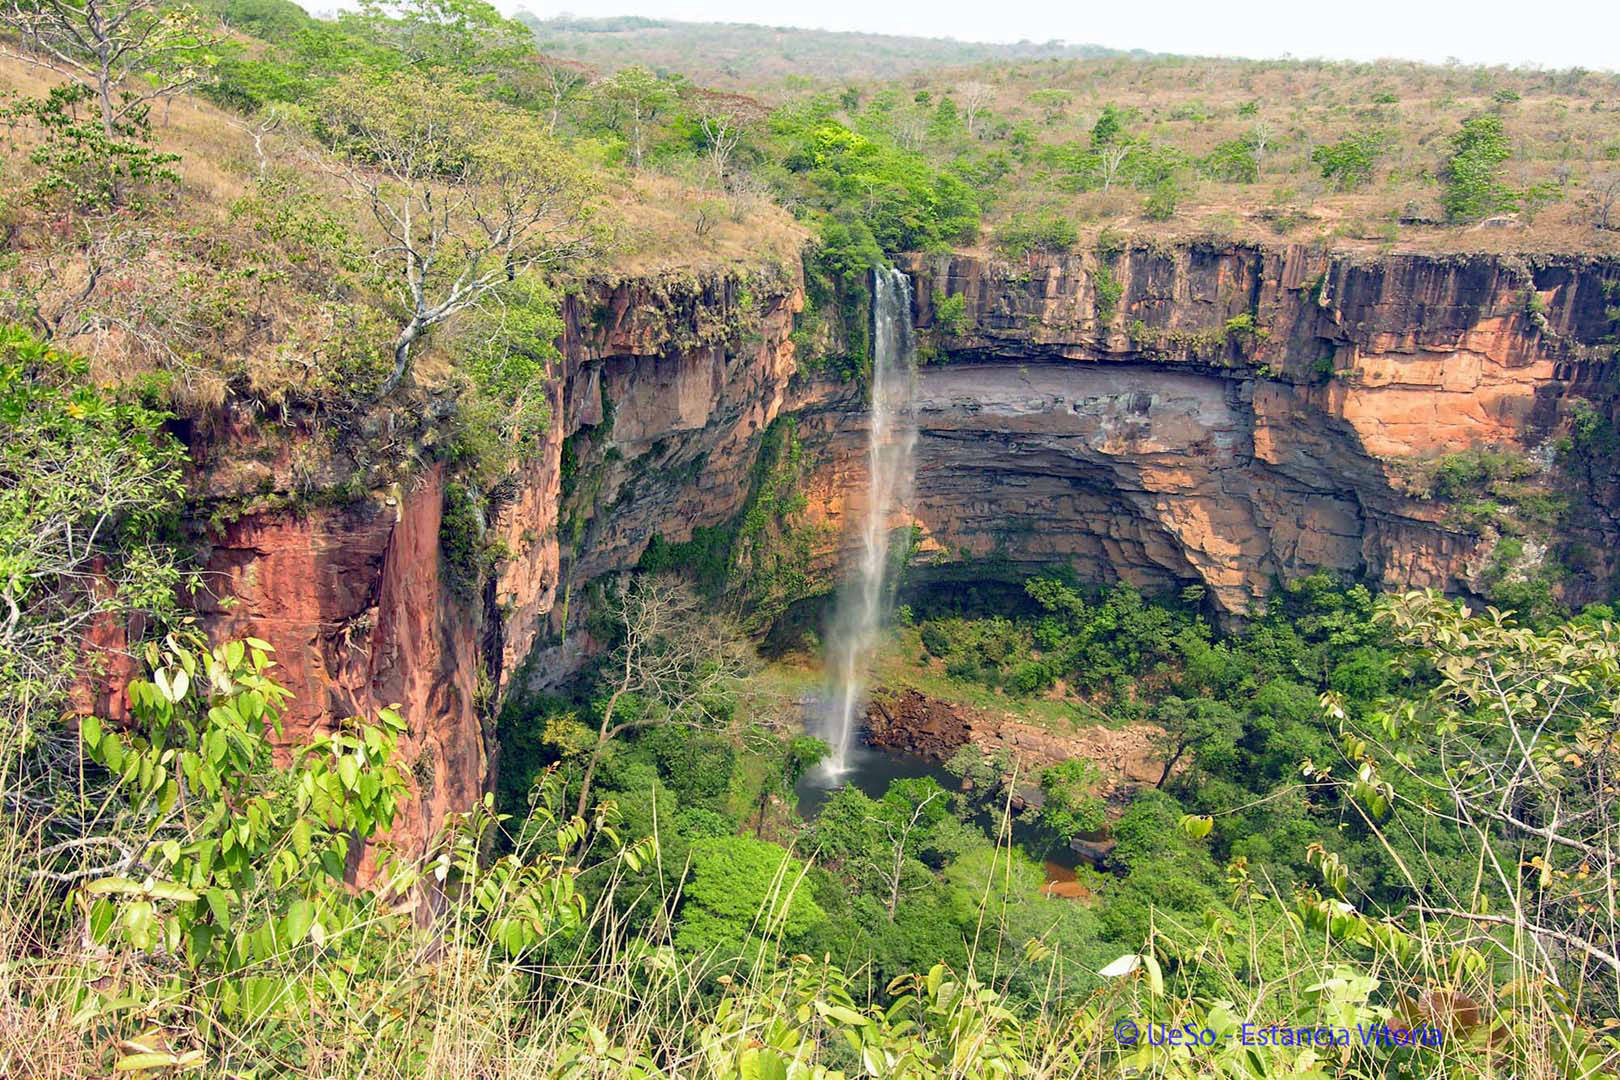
1387, 815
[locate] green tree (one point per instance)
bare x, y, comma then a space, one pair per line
210, 823
674, 663
1109, 128
1472, 173
127, 53
1235, 161
1515, 749
87, 170
1160, 205
1070, 806
89, 481
465, 36
511, 362
1351, 162
632, 103
468, 195
1193, 725
743, 896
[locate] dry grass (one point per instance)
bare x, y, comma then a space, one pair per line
663, 223
1564, 128
193, 288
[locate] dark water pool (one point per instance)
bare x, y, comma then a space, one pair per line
872, 770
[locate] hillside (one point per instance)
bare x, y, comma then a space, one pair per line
768, 59
1072, 140
1337, 154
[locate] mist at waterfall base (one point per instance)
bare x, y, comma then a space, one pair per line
866, 597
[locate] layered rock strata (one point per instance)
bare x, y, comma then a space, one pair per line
678, 379
1199, 415
1229, 418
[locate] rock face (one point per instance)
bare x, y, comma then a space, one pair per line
1237, 418
1233, 417
927, 727
355, 598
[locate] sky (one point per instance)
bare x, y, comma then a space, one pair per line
1569, 33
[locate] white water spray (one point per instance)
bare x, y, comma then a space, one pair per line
866, 596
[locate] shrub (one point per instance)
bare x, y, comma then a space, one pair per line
1470, 472
1233, 161
1161, 201
950, 314
1243, 327
1047, 231
1071, 807
1351, 162
743, 893
84, 167
1110, 126
1030, 677
1472, 172
1109, 291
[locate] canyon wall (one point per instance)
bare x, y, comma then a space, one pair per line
1229, 417
676, 377
1215, 416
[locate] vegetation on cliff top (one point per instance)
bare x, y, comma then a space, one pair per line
1359, 155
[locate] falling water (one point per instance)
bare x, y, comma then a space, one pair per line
864, 601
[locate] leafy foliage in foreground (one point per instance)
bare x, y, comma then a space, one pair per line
89, 481
193, 904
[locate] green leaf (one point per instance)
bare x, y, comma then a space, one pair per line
842, 1014
121, 885
102, 913
297, 922
1155, 976
143, 1062
169, 890
219, 903
1196, 826
301, 837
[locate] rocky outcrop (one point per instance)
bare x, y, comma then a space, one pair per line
353, 602
678, 377
925, 727
1224, 417
662, 433
910, 721
1231, 417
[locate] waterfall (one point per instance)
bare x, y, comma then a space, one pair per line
866, 596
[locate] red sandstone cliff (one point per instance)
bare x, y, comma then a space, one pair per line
1164, 445
1240, 416
351, 592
